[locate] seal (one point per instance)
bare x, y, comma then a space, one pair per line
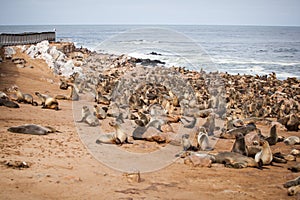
264, 157
293, 182
99, 112
272, 139
107, 139
8, 103
73, 95
32, 129
24, 98
210, 124
295, 168
234, 160
239, 145
188, 123
292, 140
47, 101
203, 141
121, 136
3, 96
294, 190
88, 117
186, 143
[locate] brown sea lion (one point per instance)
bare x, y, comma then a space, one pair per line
47, 101
32, 129
239, 145
264, 157
88, 117
24, 98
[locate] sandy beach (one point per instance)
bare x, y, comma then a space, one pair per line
61, 166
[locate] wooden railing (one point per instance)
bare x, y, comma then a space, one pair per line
7, 39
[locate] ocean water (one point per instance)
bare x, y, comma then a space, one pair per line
234, 49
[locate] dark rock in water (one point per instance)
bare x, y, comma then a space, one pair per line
155, 54
7, 103
147, 62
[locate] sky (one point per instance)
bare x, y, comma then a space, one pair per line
202, 12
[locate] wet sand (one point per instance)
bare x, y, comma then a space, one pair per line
62, 168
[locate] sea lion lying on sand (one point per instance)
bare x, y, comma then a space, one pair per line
32, 129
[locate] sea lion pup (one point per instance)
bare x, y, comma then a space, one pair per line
233, 160
264, 157
186, 143
8, 103
32, 129
292, 140
272, 139
47, 101
210, 124
239, 145
293, 182
99, 112
188, 123
24, 98
120, 137
88, 117
73, 95
203, 142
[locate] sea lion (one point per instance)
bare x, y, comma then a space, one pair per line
24, 98
210, 124
101, 99
230, 134
3, 96
293, 182
272, 139
234, 123
188, 123
295, 168
47, 101
295, 152
106, 139
99, 112
264, 157
234, 160
203, 141
292, 140
293, 190
88, 117
32, 129
239, 145
73, 95
8, 103
142, 119
186, 143
121, 137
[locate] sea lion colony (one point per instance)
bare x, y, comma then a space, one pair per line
154, 96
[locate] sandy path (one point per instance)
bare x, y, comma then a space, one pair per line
62, 168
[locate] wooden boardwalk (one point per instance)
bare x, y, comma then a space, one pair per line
8, 39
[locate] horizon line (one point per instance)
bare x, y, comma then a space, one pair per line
148, 24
